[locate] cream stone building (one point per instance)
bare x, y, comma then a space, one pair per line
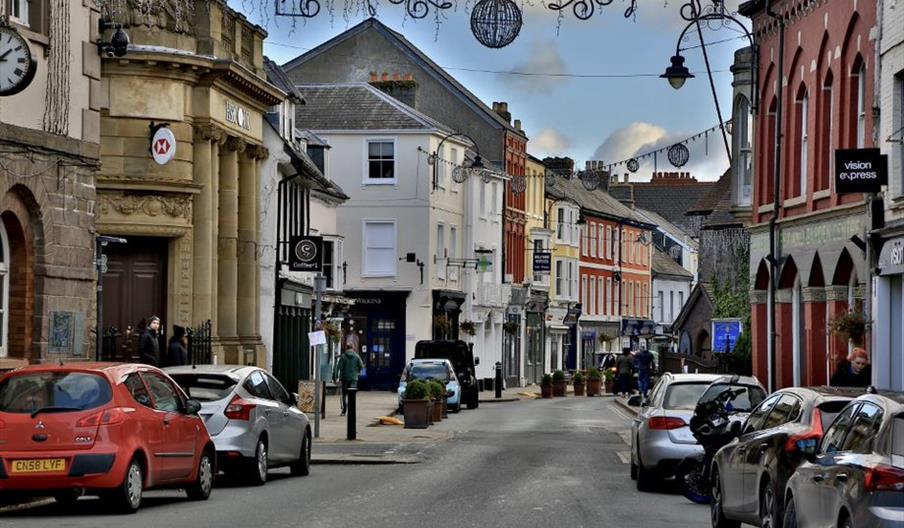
192, 223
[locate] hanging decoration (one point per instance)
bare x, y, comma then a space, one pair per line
519, 184
633, 165
459, 175
418, 9
590, 180
495, 23
679, 155
305, 8
584, 9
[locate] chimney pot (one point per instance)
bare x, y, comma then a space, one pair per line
385, 76
396, 76
518, 125
626, 178
409, 77
373, 77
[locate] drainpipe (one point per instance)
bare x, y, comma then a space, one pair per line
774, 249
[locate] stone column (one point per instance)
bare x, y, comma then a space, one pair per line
247, 243
204, 224
814, 301
214, 257
227, 265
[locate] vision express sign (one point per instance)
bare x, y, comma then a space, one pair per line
860, 170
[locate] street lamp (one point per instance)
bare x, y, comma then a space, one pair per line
677, 73
460, 173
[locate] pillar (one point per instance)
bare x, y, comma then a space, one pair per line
759, 328
227, 264
204, 225
836, 304
814, 301
247, 245
213, 256
784, 325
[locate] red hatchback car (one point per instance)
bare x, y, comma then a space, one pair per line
104, 429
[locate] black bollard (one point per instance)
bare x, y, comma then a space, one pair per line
323, 401
352, 433
498, 382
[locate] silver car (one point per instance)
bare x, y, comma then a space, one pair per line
855, 477
660, 435
254, 422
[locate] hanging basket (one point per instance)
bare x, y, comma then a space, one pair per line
850, 326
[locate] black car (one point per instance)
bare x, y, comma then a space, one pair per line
750, 473
463, 361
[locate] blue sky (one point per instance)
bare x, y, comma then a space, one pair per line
584, 118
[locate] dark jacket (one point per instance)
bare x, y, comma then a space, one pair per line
645, 361
845, 377
348, 367
149, 348
624, 364
176, 354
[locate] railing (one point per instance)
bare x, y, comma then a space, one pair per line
200, 349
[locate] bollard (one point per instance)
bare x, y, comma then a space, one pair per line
352, 432
498, 382
323, 400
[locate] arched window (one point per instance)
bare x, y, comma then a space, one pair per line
861, 106
827, 132
769, 148
856, 121
744, 135
4, 289
802, 118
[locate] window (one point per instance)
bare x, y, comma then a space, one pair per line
440, 259
379, 249
256, 385
277, 390
380, 161
205, 387
754, 421
575, 230
661, 299
166, 398
483, 200
680, 300
629, 302
601, 240
453, 251
591, 305
610, 298
573, 276
608, 242
560, 225
601, 299
803, 115
864, 429
593, 236
494, 205
861, 106
672, 306
332, 263
138, 390
744, 126
834, 437
828, 132
584, 292
561, 279
76, 391
443, 170
786, 410
18, 11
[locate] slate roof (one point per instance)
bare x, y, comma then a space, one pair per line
718, 204
401, 42
358, 106
596, 202
664, 266
277, 77
672, 202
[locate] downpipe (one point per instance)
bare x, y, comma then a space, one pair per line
775, 259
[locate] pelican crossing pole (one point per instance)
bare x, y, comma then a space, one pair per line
319, 287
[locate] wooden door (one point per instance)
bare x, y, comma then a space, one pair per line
134, 289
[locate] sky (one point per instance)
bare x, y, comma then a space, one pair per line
569, 110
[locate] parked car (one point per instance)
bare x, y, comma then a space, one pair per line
424, 369
855, 477
660, 434
749, 474
254, 421
463, 361
105, 429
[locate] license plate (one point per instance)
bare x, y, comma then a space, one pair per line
43, 465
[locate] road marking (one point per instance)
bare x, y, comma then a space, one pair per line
624, 456
617, 411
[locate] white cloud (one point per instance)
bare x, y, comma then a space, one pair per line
550, 142
707, 154
544, 57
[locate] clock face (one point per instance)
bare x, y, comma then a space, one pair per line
17, 67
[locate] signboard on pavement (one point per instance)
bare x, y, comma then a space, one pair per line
725, 334
860, 170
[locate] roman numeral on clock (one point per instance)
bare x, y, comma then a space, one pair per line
18, 73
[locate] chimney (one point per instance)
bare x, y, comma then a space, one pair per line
402, 87
501, 108
626, 177
560, 166
518, 125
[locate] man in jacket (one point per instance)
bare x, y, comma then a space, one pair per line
149, 343
624, 366
645, 364
346, 373
177, 353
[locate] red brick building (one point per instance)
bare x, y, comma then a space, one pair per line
827, 96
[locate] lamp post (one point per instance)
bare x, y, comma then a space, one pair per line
475, 168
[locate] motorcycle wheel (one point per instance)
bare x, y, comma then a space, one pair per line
694, 485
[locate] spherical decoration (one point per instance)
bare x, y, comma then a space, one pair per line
519, 184
633, 165
678, 155
496, 23
459, 174
590, 180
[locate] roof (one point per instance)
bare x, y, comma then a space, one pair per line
358, 106
673, 230
277, 77
664, 266
702, 291
311, 138
426, 62
719, 202
672, 202
596, 202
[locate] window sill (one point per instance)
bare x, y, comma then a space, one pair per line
378, 182
765, 208
819, 195
794, 202
379, 275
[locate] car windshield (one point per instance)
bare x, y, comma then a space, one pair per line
427, 371
829, 410
57, 391
743, 402
205, 387
684, 396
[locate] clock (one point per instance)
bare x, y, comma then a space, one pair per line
17, 64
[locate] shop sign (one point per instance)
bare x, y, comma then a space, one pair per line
860, 170
306, 253
542, 262
573, 314
725, 334
891, 260
163, 145
237, 115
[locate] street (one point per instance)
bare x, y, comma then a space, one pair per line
559, 462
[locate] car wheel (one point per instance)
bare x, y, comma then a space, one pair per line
646, 479
846, 522
769, 515
67, 498
302, 466
257, 467
790, 520
717, 514
127, 497
200, 489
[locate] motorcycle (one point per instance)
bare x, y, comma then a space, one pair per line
713, 428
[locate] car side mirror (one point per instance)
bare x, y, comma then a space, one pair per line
192, 407
477, 361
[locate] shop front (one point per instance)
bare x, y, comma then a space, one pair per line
597, 340
888, 317
375, 328
535, 336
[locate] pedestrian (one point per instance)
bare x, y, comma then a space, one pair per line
623, 366
855, 372
346, 372
645, 364
149, 343
177, 352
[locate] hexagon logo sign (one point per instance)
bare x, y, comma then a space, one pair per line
163, 145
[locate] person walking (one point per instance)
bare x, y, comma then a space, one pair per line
149, 343
855, 372
346, 372
624, 366
177, 352
644, 363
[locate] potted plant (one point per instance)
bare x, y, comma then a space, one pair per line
468, 327
510, 328
546, 386
558, 384
609, 375
441, 326
850, 326
594, 380
578, 381
415, 405
437, 395
331, 330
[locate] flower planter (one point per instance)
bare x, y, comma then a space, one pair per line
578, 389
546, 391
415, 414
445, 408
430, 412
610, 386
558, 388
593, 387
437, 411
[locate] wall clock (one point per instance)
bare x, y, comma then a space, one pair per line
17, 63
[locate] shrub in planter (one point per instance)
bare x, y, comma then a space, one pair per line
546, 386
850, 326
578, 381
437, 394
416, 404
609, 376
467, 327
594, 381
558, 384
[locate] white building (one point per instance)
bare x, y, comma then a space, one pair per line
671, 289
403, 233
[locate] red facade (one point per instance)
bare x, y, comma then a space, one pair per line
515, 216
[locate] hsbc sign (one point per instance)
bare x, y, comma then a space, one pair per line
163, 145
